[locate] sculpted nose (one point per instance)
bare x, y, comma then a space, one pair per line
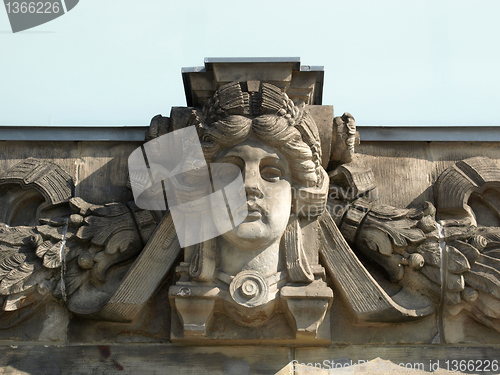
253, 186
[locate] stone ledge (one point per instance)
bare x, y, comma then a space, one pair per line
166, 358
143, 359
388, 359
368, 133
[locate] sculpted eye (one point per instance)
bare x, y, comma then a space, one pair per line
225, 172
271, 173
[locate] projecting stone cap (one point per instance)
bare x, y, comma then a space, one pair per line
301, 83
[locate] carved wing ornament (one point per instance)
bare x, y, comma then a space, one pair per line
469, 201
74, 248
452, 251
387, 264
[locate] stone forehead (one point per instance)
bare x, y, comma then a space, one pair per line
253, 147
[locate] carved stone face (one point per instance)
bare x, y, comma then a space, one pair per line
267, 182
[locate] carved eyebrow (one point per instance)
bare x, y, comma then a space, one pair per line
229, 153
274, 160
237, 153
230, 158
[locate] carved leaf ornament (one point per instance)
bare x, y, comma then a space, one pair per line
59, 255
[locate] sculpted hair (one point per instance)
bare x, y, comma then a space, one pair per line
233, 115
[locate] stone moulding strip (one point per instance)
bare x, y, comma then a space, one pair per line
402, 133
73, 133
368, 133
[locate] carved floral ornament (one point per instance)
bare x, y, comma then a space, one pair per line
313, 229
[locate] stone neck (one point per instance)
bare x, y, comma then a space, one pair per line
233, 260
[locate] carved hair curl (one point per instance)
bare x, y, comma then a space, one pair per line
233, 115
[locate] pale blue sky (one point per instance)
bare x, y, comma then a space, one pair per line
387, 62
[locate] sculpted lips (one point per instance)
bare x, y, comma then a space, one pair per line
255, 211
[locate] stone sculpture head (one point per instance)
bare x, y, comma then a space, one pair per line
260, 268
276, 146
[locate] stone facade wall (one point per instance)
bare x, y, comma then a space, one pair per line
99, 169
54, 342
415, 166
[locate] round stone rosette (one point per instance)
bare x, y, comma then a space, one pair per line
252, 304
249, 289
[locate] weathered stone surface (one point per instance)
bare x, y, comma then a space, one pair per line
98, 169
101, 171
146, 359
49, 323
345, 330
391, 244
151, 325
323, 117
414, 166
